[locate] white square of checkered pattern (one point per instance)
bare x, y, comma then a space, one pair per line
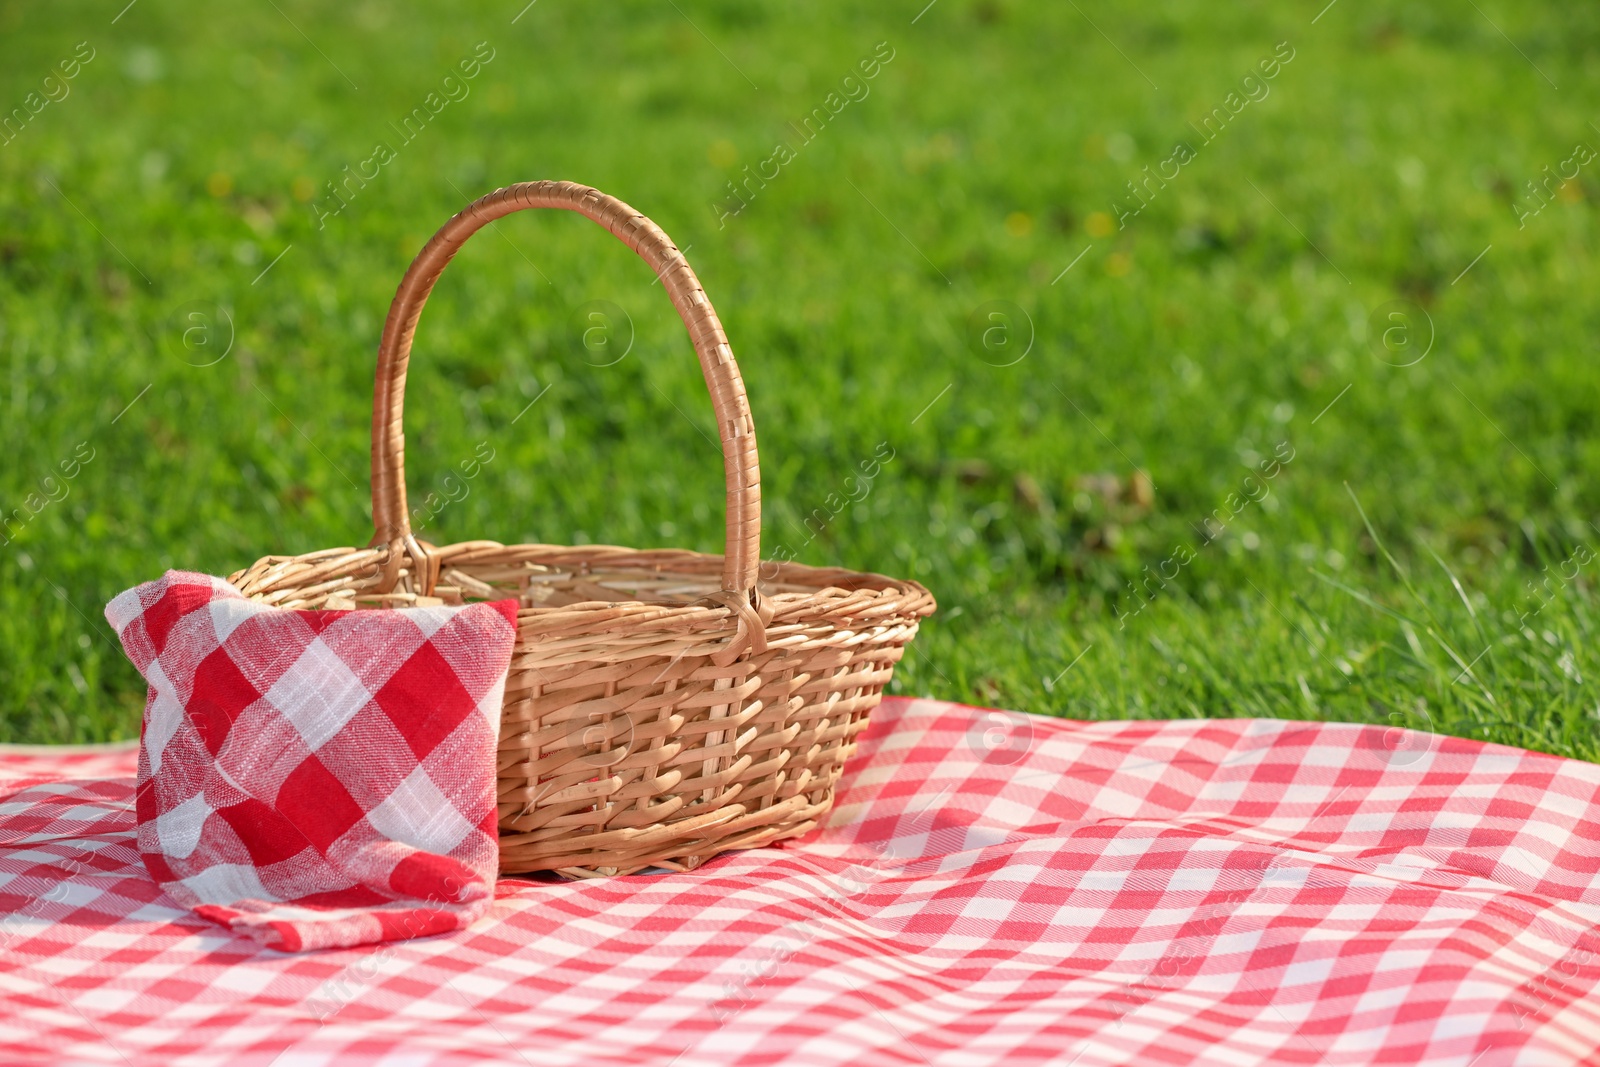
417, 813
318, 694
264, 749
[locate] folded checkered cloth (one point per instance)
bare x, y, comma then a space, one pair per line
991, 888
317, 778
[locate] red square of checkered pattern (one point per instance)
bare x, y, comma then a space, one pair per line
317, 778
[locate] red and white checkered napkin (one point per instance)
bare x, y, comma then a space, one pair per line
317, 778
991, 889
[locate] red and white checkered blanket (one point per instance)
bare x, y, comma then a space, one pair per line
991, 888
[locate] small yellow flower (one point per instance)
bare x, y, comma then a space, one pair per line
1018, 224
219, 184
1099, 224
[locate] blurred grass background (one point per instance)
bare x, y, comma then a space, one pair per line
164, 211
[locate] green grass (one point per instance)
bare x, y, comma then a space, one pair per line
1220, 324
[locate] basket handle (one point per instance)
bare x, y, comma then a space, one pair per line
390, 516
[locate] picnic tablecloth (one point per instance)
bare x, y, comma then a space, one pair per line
991, 888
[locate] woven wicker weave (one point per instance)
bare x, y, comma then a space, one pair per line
662, 706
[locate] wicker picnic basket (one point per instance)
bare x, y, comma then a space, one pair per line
662, 706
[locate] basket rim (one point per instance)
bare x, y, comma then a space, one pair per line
266, 577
